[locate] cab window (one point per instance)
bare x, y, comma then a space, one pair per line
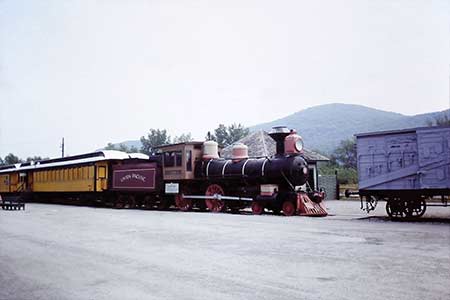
168, 159
173, 158
179, 158
188, 160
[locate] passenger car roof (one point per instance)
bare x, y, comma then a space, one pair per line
73, 160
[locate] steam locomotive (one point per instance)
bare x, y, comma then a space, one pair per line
188, 175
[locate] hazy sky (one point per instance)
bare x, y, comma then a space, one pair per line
99, 71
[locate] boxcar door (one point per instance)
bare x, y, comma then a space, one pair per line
434, 158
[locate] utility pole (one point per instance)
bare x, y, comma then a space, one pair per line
62, 148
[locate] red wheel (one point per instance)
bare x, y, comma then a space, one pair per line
288, 208
183, 203
257, 208
215, 205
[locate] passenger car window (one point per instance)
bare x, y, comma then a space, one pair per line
101, 172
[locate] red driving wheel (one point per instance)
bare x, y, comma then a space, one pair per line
257, 208
214, 205
288, 208
182, 203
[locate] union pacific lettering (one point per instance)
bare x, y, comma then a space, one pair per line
133, 176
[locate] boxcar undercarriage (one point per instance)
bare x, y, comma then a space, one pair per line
404, 204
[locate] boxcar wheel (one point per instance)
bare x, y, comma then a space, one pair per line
396, 208
416, 208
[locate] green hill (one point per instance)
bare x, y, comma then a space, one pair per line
324, 126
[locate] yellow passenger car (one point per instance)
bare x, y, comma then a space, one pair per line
80, 174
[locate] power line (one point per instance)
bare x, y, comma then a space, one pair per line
62, 147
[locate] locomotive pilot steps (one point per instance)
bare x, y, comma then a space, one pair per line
186, 175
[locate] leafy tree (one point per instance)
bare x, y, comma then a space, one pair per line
441, 120
345, 154
133, 149
36, 158
183, 138
221, 135
236, 132
110, 146
155, 138
12, 159
227, 135
121, 147
342, 161
344, 175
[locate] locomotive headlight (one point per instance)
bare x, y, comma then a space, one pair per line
299, 145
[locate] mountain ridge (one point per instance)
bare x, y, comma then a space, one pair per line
324, 126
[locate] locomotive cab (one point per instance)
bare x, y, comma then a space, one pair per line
178, 160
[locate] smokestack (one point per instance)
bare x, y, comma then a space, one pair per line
279, 133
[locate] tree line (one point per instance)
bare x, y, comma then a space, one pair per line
223, 135
13, 159
343, 162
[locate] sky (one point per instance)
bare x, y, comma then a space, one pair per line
107, 71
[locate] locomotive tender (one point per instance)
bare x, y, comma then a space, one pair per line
188, 175
406, 168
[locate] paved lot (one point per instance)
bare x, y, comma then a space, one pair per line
69, 252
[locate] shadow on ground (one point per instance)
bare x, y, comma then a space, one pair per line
409, 220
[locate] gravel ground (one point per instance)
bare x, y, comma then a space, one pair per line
70, 252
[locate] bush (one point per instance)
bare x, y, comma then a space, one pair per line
344, 175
